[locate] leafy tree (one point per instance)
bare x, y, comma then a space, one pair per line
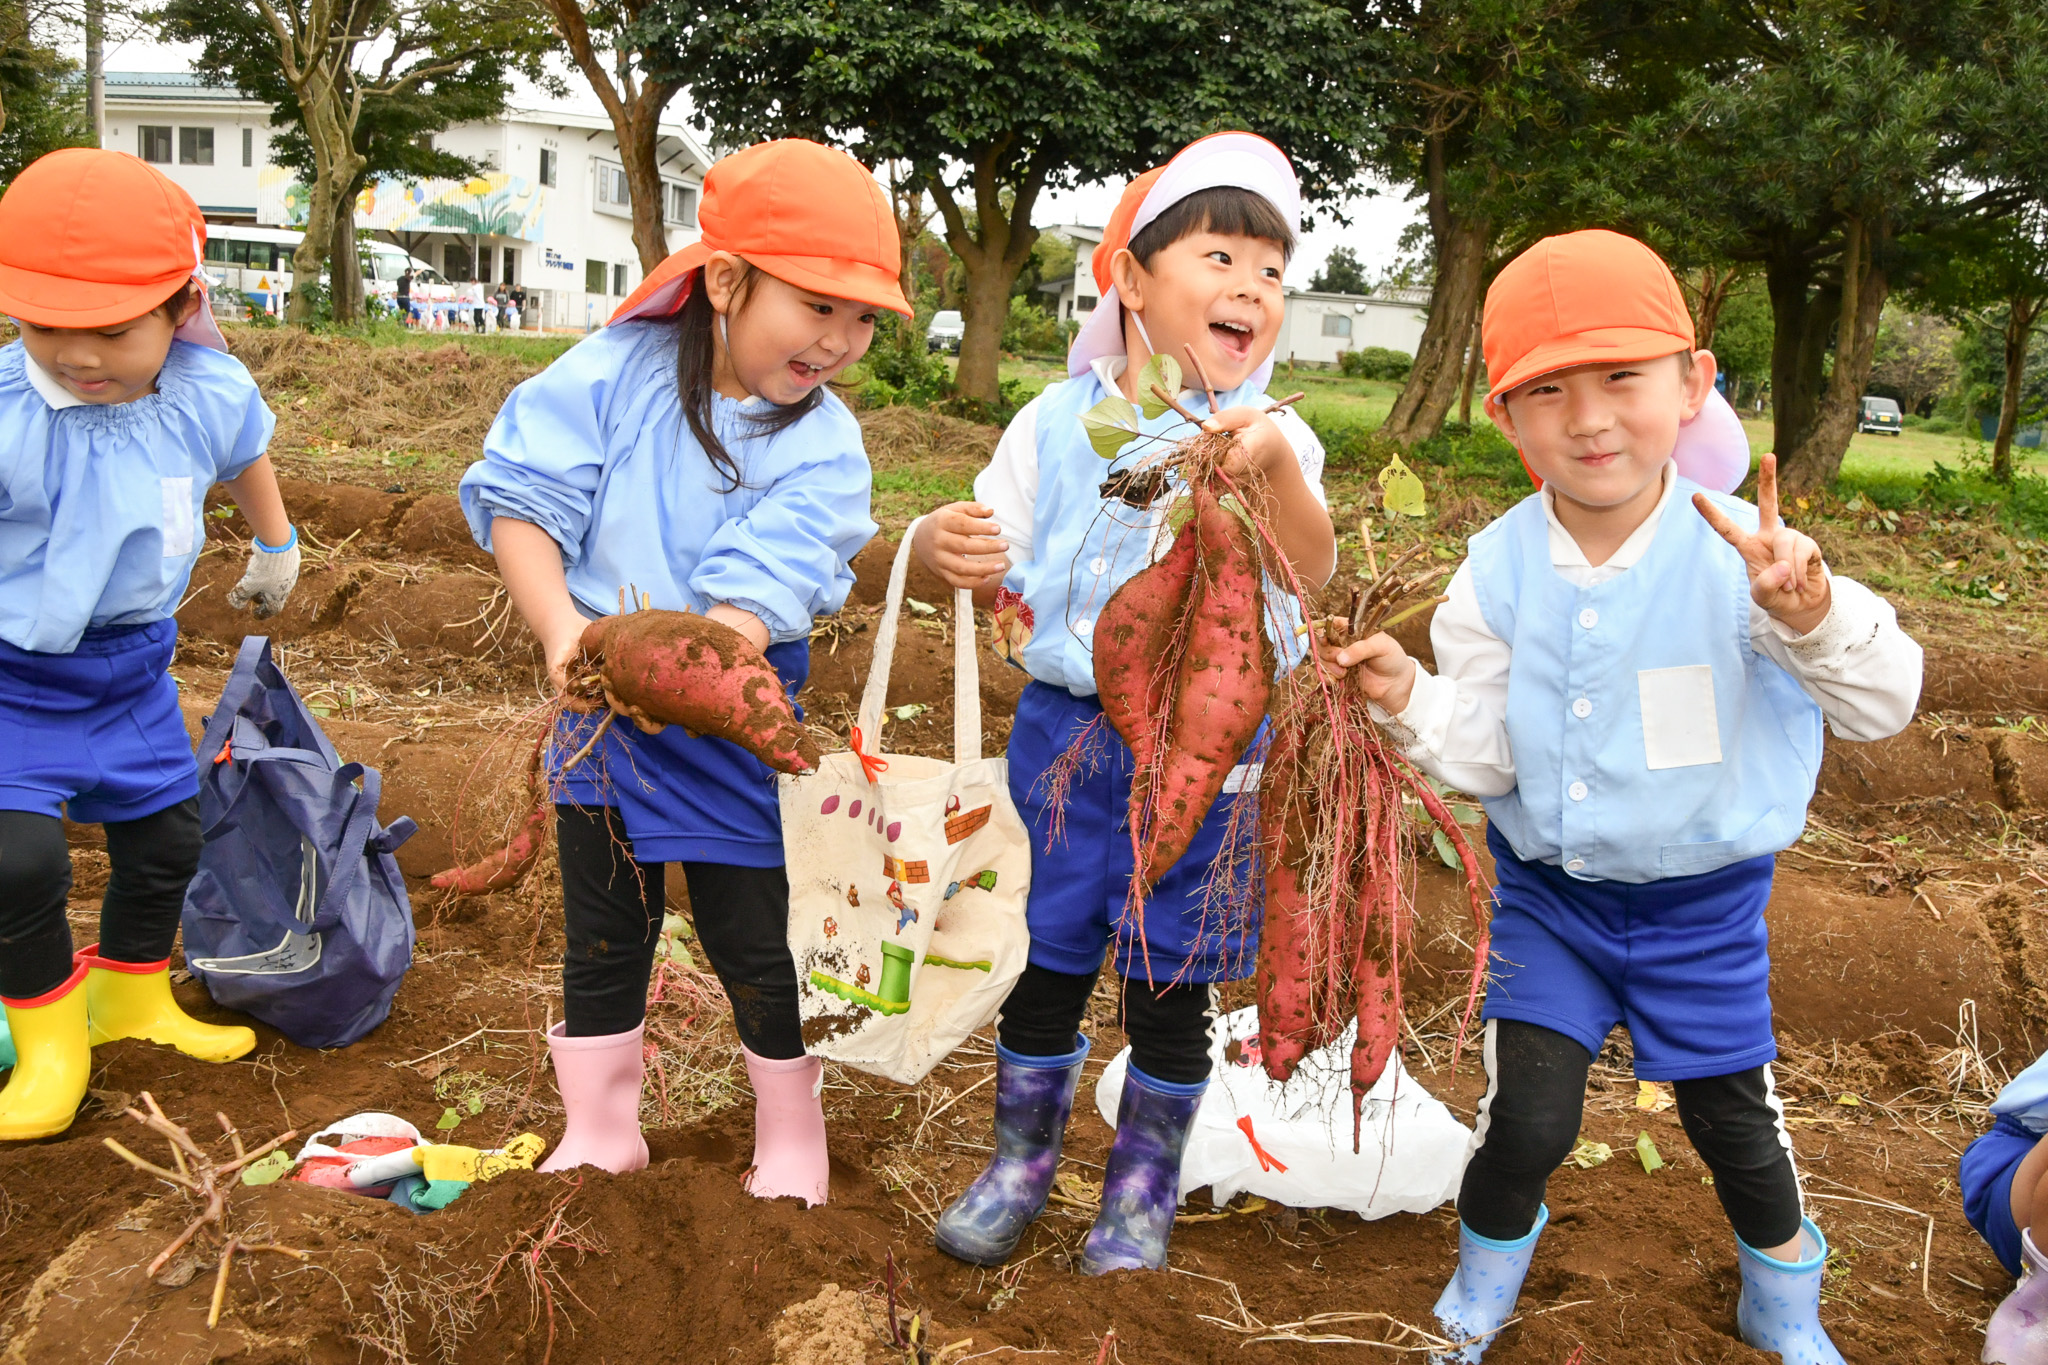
42, 106
1914, 359
336, 59
1341, 273
1842, 154
615, 48
995, 101
1996, 285
1742, 341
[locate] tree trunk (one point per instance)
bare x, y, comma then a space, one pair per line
344, 270
1419, 412
330, 129
1473, 353
1800, 319
992, 255
1815, 460
634, 106
2019, 331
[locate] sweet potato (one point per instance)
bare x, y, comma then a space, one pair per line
660, 668
1219, 698
1134, 639
504, 866
1286, 986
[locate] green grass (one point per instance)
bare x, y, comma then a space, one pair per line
539, 348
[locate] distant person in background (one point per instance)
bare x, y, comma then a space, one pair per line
518, 313
405, 296
500, 304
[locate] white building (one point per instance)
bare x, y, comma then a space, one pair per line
1317, 326
549, 212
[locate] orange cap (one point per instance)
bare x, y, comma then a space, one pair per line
1581, 298
805, 213
89, 238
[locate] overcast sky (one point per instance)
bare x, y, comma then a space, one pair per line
1374, 231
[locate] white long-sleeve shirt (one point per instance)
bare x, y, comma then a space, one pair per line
1857, 665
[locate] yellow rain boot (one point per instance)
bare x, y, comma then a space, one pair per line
52, 1062
133, 1000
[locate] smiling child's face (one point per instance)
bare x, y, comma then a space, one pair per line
1217, 292
782, 342
1601, 434
104, 365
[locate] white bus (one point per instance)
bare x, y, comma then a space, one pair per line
256, 263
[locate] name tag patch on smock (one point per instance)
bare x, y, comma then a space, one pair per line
1680, 727
177, 517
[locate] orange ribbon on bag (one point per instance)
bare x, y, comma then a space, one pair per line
1267, 1161
869, 763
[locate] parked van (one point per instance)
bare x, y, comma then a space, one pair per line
1881, 415
947, 330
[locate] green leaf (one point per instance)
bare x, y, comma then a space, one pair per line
268, 1169
449, 1119
918, 608
1164, 371
910, 710
474, 1105
1404, 493
1646, 1152
1111, 425
1587, 1154
1445, 850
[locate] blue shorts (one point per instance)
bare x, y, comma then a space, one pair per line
1684, 962
684, 798
1079, 876
96, 733
1988, 1166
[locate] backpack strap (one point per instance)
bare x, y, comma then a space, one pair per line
242, 683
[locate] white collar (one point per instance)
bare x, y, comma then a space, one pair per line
1565, 551
45, 383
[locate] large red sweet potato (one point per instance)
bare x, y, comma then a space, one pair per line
1220, 696
661, 668
1288, 1016
1134, 645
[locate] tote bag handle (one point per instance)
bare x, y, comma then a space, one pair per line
966, 664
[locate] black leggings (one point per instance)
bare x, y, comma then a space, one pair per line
612, 907
152, 861
1168, 1025
1529, 1121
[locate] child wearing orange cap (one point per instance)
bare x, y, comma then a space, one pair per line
691, 454
119, 409
1193, 256
1636, 690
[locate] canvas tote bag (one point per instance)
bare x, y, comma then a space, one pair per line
907, 878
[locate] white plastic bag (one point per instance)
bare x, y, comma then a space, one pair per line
907, 879
1292, 1143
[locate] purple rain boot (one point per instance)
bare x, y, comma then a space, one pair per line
2018, 1331
1141, 1188
1034, 1099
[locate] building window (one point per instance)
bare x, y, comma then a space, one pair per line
1086, 303
619, 280
611, 185
511, 271
682, 205
195, 146
156, 144
1337, 325
248, 146
455, 261
550, 166
593, 277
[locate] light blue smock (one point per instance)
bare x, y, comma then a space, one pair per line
2024, 1099
1085, 545
594, 451
1651, 738
102, 506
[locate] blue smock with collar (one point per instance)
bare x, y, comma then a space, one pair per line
595, 451
101, 520
102, 506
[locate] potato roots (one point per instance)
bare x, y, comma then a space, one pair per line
661, 668
502, 867
1184, 670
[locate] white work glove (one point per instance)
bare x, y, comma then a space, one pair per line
270, 577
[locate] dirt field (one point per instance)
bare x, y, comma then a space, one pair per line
1911, 976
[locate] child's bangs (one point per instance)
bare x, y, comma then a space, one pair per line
1227, 210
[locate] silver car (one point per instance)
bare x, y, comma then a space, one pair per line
946, 331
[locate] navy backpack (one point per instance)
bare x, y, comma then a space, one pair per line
298, 915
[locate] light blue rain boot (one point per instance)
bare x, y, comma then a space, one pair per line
1780, 1308
1482, 1292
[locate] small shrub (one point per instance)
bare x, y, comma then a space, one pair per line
1375, 362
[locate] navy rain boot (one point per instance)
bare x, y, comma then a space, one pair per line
1034, 1098
1141, 1188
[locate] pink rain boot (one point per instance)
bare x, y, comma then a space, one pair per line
789, 1129
600, 1083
